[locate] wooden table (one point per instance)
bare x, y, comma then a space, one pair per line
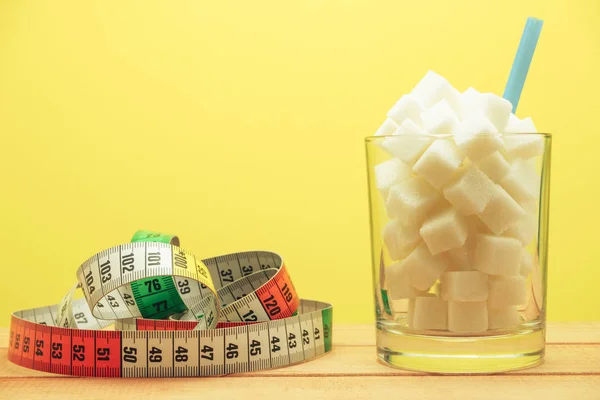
571, 371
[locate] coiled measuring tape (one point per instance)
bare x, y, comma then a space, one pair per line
174, 315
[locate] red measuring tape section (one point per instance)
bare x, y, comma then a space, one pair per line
222, 315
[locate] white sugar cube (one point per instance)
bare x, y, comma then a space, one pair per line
460, 258
506, 291
524, 229
389, 173
476, 137
411, 200
453, 97
496, 109
431, 89
502, 318
428, 312
464, 286
530, 206
478, 225
522, 181
523, 146
424, 268
400, 239
387, 128
407, 107
471, 193
494, 166
444, 231
408, 143
516, 125
501, 211
526, 264
467, 317
397, 280
513, 124
440, 119
471, 103
409, 127
497, 255
411, 306
439, 163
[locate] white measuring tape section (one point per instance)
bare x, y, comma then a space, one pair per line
173, 315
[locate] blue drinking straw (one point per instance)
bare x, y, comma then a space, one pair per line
520, 67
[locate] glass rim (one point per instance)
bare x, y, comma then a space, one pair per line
374, 138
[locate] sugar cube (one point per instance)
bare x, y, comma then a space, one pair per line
530, 206
397, 280
522, 181
467, 316
390, 172
496, 109
428, 312
411, 200
516, 125
431, 89
411, 306
444, 231
506, 291
399, 306
476, 137
476, 225
497, 255
526, 264
439, 163
501, 211
407, 107
408, 143
512, 126
440, 119
523, 146
453, 97
387, 128
471, 193
464, 286
494, 166
504, 317
524, 229
471, 101
460, 258
400, 239
409, 127
423, 267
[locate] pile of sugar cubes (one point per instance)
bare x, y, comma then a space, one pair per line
462, 202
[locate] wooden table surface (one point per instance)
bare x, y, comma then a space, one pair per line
351, 370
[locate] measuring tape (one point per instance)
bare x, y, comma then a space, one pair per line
174, 315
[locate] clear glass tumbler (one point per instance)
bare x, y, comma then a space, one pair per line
459, 231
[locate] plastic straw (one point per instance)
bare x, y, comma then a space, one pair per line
518, 73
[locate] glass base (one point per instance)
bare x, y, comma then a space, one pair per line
441, 353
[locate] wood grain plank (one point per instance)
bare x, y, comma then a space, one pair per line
331, 388
363, 361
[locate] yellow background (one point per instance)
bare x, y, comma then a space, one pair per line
240, 125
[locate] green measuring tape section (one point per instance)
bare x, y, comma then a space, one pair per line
156, 298
327, 318
386, 301
149, 236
